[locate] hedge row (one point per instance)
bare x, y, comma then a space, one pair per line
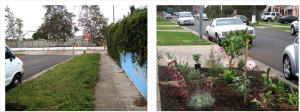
129, 35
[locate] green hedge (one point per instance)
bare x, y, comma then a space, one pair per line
129, 35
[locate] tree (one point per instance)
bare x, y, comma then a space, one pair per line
57, 25
19, 27
91, 19
132, 9
227, 9
38, 35
161, 8
10, 31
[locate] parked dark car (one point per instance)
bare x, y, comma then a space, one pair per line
243, 18
286, 19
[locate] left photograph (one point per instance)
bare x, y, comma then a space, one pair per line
75, 57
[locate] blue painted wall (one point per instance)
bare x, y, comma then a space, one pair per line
137, 74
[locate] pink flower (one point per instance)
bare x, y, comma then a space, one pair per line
178, 73
222, 51
176, 85
182, 80
250, 65
225, 70
211, 84
211, 59
170, 71
207, 84
202, 75
179, 93
215, 51
171, 76
184, 86
221, 48
184, 92
220, 74
217, 62
224, 56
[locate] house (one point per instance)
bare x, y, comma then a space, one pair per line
292, 10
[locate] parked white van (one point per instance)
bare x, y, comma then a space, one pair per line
13, 69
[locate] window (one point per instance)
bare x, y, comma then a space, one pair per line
273, 14
8, 54
267, 13
297, 41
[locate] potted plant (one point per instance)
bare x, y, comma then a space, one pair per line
196, 58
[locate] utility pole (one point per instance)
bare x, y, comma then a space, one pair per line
201, 22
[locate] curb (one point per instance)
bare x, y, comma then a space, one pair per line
40, 73
22, 55
158, 102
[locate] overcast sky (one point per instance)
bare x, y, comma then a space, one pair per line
32, 14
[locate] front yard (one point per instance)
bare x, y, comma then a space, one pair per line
179, 38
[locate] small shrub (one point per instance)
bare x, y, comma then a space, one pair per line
202, 101
193, 74
241, 64
228, 76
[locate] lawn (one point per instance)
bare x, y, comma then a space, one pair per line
19, 54
257, 25
263, 22
169, 28
281, 28
179, 38
67, 87
164, 22
283, 24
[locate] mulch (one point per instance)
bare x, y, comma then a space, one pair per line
226, 98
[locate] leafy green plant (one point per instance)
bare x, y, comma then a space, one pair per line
235, 42
263, 99
294, 98
170, 56
228, 76
241, 64
182, 67
196, 57
278, 88
193, 74
202, 101
239, 84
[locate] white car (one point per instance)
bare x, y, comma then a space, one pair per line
185, 18
295, 27
13, 69
204, 17
290, 60
219, 27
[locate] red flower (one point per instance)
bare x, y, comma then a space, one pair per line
175, 69
171, 76
169, 63
186, 95
170, 71
184, 86
179, 83
179, 92
231, 64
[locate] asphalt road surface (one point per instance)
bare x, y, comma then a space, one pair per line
34, 64
267, 47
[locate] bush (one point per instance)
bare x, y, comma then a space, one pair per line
129, 35
241, 64
202, 101
228, 76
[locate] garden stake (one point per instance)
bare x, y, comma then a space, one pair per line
247, 41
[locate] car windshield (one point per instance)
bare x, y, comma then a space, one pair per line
229, 22
185, 15
168, 14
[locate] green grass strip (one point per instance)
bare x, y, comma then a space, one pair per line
18, 54
283, 24
164, 22
169, 28
179, 38
67, 87
281, 28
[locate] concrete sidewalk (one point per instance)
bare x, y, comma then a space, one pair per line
115, 91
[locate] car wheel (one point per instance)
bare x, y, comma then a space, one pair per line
287, 70
218, 39
269, 20
285, 22
209, 38
293, 31
16, 81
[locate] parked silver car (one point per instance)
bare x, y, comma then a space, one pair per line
290, 60
295, 27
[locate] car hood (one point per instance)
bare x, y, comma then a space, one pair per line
234, 27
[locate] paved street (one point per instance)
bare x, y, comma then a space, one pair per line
34, 64
267, 47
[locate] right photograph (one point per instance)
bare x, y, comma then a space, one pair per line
227, 57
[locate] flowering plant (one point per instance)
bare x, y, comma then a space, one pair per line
175, 75
213, 62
